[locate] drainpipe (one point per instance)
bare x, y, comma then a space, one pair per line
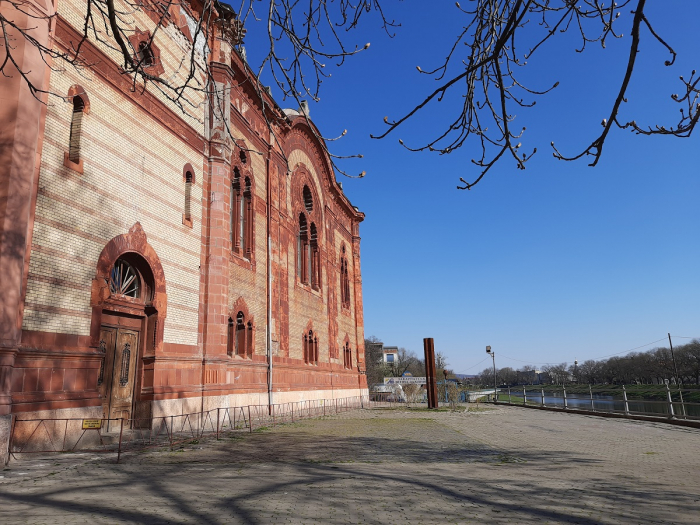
268, 334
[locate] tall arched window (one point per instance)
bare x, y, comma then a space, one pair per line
246, 219
308, 199
241, 215
314, 259
76, 126
303, 257
344, 280
230, 338
240, 336
187, 216
347, 355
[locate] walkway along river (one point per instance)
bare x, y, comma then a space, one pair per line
604, 403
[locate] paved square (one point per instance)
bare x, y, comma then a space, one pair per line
501, 465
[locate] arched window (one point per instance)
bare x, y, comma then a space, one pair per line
76, 125
314, 259
240, 336
310, 345
129, 278
230, 337
240, 340
241, 215
124, 280
187, 216
249, 340
344, 280
246, 220
347, 355
308, 199
303, 251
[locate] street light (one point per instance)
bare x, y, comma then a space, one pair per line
493, 356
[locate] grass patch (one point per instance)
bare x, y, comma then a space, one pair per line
517, 400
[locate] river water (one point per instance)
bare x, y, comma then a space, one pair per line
608, 403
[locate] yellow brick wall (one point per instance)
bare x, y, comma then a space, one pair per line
132, 172
173, 48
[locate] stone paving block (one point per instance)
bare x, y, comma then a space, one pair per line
499, 465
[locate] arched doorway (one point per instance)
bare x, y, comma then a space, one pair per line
129, 304
124, 316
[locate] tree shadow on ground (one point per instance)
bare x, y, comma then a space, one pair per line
301, 475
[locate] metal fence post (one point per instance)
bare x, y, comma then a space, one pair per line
121, 431
510, 401
590, 391
670, 403
680, 392
627, 405
524, 396
543, 397
13, 419
218, 414
566, 403
250, 421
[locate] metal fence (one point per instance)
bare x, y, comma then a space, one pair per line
557, 397
117, 436
596, 403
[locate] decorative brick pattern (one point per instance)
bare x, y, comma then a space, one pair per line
130, 195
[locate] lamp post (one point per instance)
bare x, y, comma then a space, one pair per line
493, 357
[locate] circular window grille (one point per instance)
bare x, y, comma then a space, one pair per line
124, 280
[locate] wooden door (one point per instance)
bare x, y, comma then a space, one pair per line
118, 371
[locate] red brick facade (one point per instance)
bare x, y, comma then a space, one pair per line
117, 247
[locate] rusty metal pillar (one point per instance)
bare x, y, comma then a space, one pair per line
429, 348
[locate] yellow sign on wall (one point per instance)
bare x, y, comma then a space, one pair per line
92, 424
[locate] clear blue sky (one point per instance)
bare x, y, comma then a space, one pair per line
551, 264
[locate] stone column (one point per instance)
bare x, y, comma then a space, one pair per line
216, 237
359, 315
21, 131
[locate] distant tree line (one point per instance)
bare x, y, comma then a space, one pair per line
644, 368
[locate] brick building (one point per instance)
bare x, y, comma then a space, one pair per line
154, 263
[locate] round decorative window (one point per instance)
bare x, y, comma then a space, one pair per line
124, 280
